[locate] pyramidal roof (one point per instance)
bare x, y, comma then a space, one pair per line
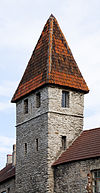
51, 62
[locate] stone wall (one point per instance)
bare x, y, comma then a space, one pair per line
8, 184
48, 124
72, 177
31, 168
33, 111
62, 122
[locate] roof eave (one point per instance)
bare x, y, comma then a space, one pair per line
2, 181
75, 160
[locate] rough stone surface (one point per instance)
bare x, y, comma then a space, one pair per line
62, 122
72, 177
8, 184
48, 124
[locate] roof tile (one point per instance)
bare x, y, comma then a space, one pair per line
51, 62
86, 146
7, 172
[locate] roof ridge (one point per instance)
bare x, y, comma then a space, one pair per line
49, 62
91, 129
67, 46
7, 166
84, 147
52, 62
51, 16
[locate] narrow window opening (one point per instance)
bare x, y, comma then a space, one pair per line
31, 107
25, 148
63, 142
38, 100
65, 99
3, 192
8, 190
96, 181
37, 145
25, 106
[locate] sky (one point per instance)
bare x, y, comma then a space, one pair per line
21, 23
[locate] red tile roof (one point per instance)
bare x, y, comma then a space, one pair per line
51, 62
7, 173
86, 146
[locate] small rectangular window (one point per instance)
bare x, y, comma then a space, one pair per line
65, 99
96, 181
37, 147
38, 100
25, 106
25, 148
3, 192
63, 142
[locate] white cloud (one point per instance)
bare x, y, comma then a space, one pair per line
5, 106
93, 121
92, 100
20, 27
18, 24
6, 144
5, 141
7, 88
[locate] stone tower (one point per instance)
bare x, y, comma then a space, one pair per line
49, 110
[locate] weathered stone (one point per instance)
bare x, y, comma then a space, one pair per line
72, 177
8, 185
48, 124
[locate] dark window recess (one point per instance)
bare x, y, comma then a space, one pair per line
25, 148
37, 145
38, 100
25, 106
3, 192
65, 99
63, 142
96, 181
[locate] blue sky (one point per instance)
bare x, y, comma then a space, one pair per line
21, 23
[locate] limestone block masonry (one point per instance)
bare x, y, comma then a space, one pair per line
8, 185
72, 177
46, 124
